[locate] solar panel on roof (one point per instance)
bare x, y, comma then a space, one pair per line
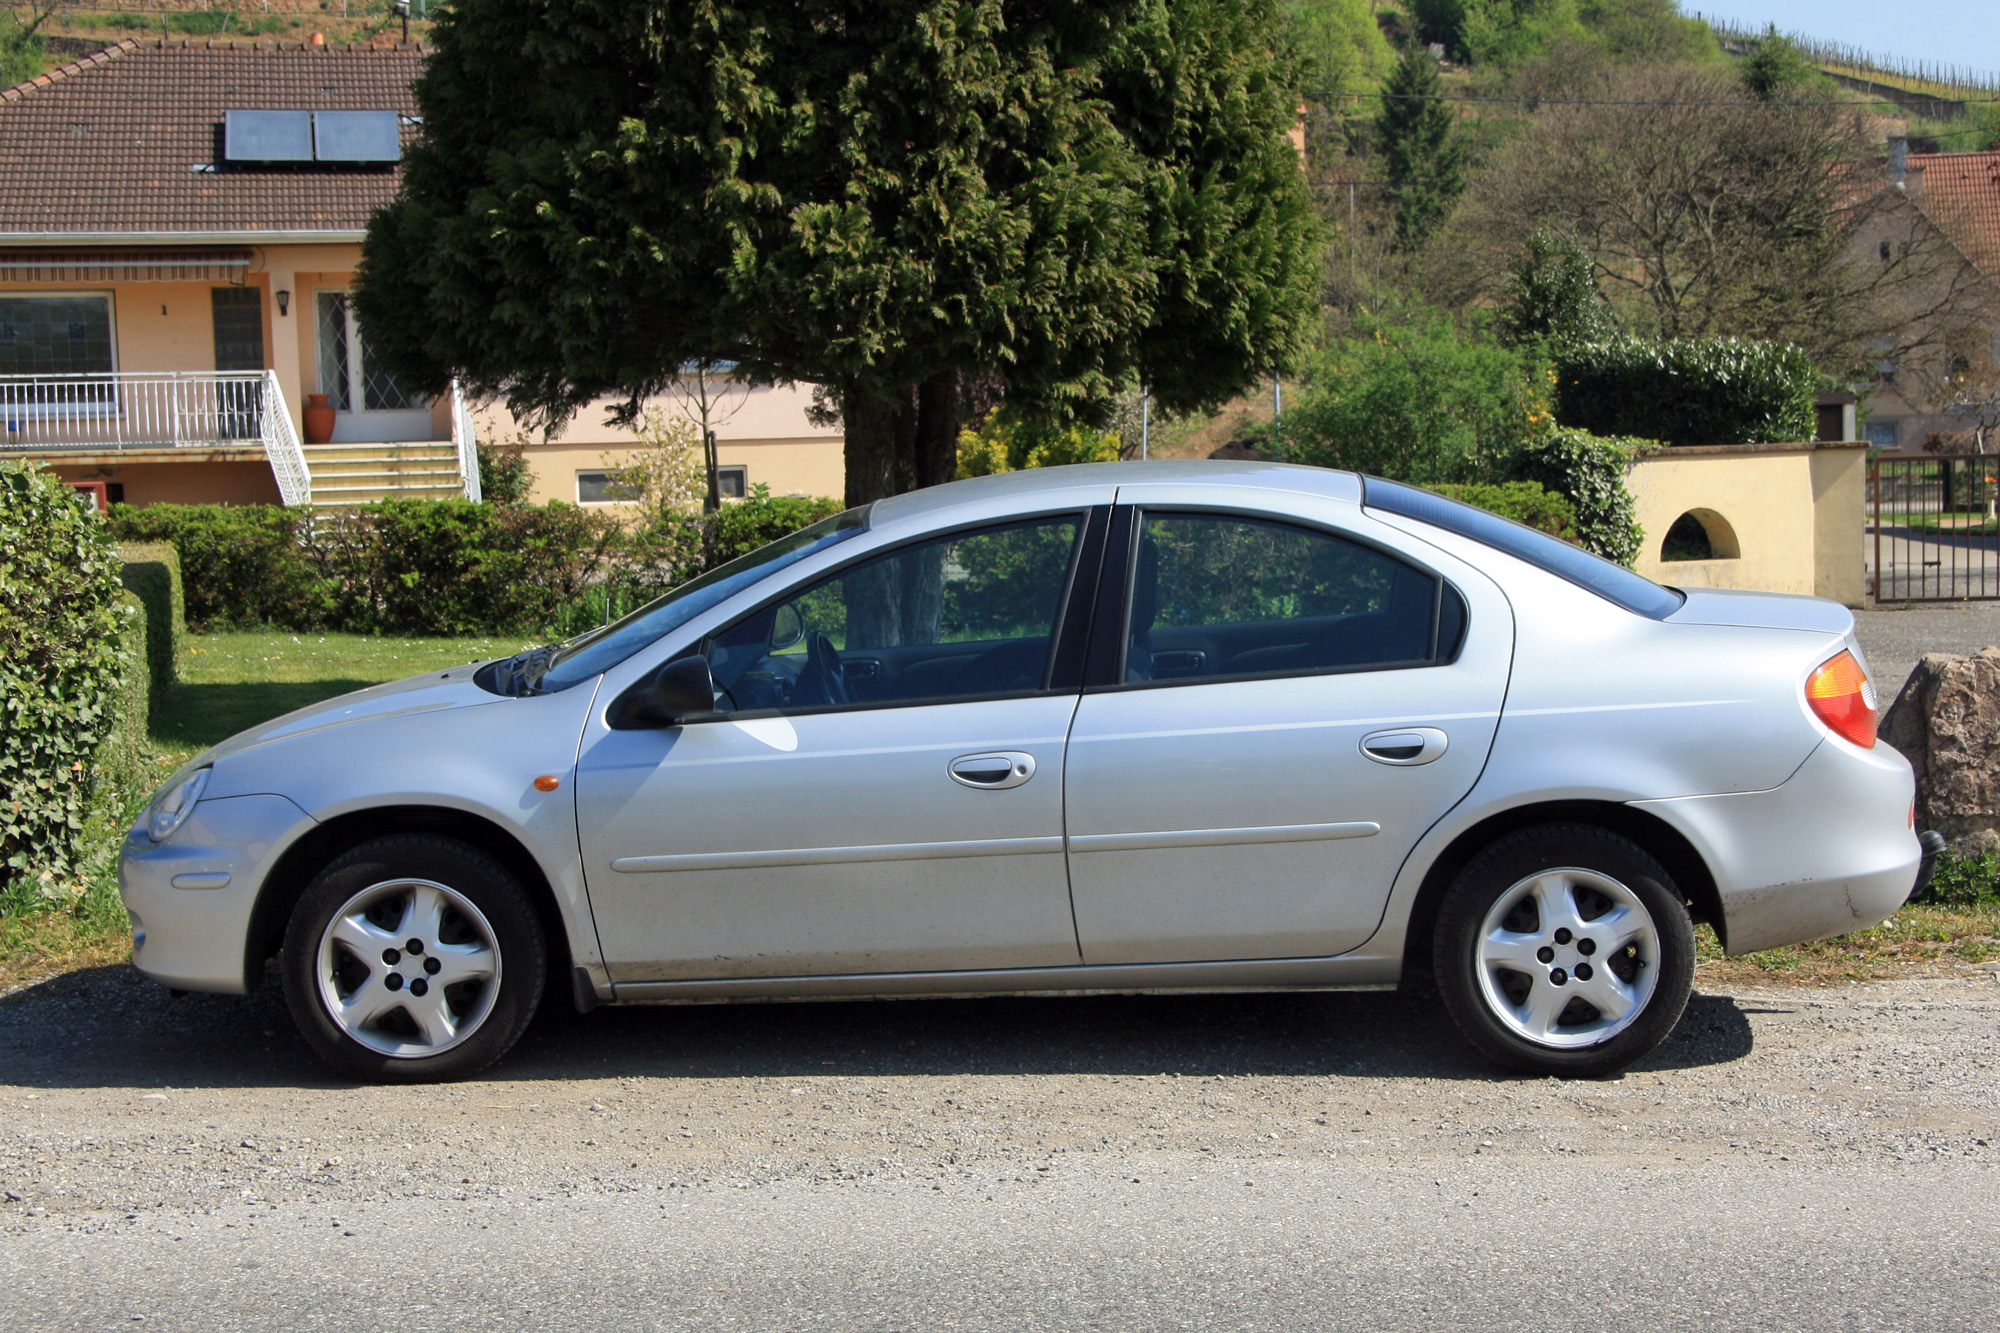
267, 136
356, 136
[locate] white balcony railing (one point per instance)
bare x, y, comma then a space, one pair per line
165, 410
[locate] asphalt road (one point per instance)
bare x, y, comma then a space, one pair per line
1797, 1159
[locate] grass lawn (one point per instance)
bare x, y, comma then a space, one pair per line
227, 682
233, 681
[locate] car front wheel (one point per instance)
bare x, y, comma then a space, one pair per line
413, 958
1564, 949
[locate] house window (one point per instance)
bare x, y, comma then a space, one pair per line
1881, 434
732, 483
593, 488
55, 335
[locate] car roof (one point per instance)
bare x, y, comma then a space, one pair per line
1052, 481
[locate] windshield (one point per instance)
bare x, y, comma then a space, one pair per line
548, 669
1613, 583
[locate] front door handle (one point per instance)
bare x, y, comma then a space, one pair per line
994, 771
1406, 747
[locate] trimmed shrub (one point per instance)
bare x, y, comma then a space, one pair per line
123, 759
1588, 472
1523, 501
443, 566
152, 573
741, 528
240, 564
504, 473
1688, 391
61, 674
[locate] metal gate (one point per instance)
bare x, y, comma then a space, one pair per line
1932, 529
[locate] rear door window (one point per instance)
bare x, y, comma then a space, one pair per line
1219, 595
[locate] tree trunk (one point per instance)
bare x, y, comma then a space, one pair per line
879, 444
901, 440
938, 414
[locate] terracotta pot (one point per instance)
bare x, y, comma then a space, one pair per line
319, 419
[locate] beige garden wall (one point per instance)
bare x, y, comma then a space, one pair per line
1782, 517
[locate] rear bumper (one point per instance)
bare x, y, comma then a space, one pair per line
1828, 852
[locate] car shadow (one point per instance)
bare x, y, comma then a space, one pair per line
111, 1027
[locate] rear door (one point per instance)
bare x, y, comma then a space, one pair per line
1277, 709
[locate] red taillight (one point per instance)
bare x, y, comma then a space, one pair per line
1840, 696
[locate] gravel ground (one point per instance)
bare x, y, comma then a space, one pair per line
1788, 1159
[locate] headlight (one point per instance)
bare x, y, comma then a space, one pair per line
175, 801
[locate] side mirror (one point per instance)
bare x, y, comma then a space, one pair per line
681, 689
787, 628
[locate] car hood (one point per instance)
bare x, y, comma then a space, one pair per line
1762, 610
428, 693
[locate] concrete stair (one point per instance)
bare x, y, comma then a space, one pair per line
345, 475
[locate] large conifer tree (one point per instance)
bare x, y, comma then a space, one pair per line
884, 197
1423, 157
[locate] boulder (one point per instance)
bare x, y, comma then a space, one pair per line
1946, 722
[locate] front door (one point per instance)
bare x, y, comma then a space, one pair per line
371, 405
1291, 710
882, 788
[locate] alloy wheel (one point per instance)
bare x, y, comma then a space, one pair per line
408, 968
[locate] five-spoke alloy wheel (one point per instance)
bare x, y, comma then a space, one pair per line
1564, 949
413, 957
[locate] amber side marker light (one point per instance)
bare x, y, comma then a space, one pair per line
1841, 696
549, 781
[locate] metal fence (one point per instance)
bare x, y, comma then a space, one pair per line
1933, 535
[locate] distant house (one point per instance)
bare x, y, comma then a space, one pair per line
179, 226
1944, 397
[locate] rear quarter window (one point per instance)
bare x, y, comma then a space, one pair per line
1614, 583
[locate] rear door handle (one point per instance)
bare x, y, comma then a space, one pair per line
993, 771
1406, 747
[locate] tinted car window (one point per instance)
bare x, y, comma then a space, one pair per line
585, 656
1612, 582
1215, 595
968, 615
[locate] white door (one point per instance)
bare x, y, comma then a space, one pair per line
1292, 710
372, 406
881, 792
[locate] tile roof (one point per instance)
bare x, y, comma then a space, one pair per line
1961, 191
129, 140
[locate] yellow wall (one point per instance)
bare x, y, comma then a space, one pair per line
1795, 512
763, 430
234, 482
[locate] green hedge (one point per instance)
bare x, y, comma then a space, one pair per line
62, 670
1688, 391
152, 573
1522, 501
240, 564
441, 566
1589, 472
122, 762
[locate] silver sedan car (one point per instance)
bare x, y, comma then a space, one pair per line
1119, 727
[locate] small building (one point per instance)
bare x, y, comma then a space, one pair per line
180, 224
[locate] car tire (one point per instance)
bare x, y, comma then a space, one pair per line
1564, 949
378, 1010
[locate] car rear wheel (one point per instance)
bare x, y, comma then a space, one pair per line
413, 958
1564, 949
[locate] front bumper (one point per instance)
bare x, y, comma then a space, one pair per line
1829, 852
191, 896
